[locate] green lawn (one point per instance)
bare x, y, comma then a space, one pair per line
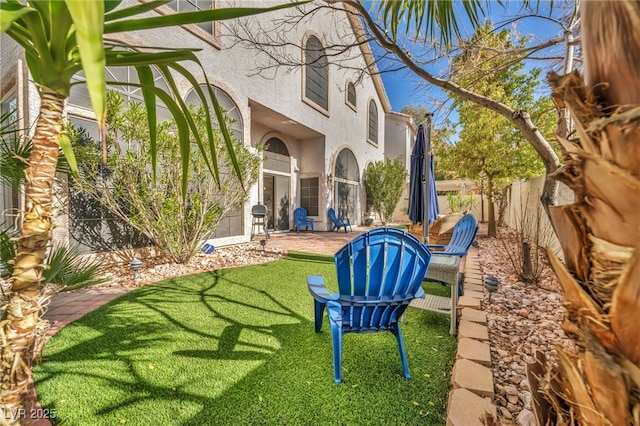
237, 347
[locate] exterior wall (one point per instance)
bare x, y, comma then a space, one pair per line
400, 136
271, 106
400, 214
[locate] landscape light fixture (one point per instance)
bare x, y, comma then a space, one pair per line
135, 266
491, 285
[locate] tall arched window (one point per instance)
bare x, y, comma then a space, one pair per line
92, 228
316, 82
231, 224
372, 132
231, 109
346, 183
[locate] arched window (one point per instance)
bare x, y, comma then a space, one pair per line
316, 82
346, 183
92, 228
225, 101
79, 95
351, 95
372, 133
231, 224
276, 156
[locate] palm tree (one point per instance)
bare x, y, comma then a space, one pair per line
60, 39
599, 232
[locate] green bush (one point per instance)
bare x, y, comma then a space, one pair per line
174, 218
460, 203
383, 184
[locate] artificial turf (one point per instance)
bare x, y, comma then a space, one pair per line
236, 347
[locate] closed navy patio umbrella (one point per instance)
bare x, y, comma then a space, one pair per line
423, 198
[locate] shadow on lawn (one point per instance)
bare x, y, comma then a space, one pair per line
220, 348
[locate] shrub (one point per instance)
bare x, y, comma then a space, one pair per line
383, 184
175, 220
460, 203
527, 253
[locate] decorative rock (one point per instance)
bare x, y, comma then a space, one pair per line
526, 418
505, 413
521, 319
510, 390
527, 400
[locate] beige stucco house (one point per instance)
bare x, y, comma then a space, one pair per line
323, 125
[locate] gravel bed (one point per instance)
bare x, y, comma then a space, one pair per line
522, 318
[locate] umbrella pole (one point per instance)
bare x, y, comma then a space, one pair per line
425, 181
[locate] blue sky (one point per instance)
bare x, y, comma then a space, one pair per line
404, 88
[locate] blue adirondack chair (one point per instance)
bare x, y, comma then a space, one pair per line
463, 235
300, 216
379, 273
339, 221
446, 270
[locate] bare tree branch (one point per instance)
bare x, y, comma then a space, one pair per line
283, 53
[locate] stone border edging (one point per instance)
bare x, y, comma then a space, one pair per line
472, 393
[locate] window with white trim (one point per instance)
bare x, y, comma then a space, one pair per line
231, 224
346, 185
350, 98
316, 81
182, 6
9, 191
372, 129
309, 199
92, 227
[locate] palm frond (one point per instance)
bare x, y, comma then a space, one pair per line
13, 159
72, 271
439, 19
7, 251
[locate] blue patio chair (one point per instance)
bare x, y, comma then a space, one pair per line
339, 221
379, 273
464, 232
445, 270
300, 216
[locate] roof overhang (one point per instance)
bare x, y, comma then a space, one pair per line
274, 120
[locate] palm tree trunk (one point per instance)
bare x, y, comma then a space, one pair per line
599, 232
25, 300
